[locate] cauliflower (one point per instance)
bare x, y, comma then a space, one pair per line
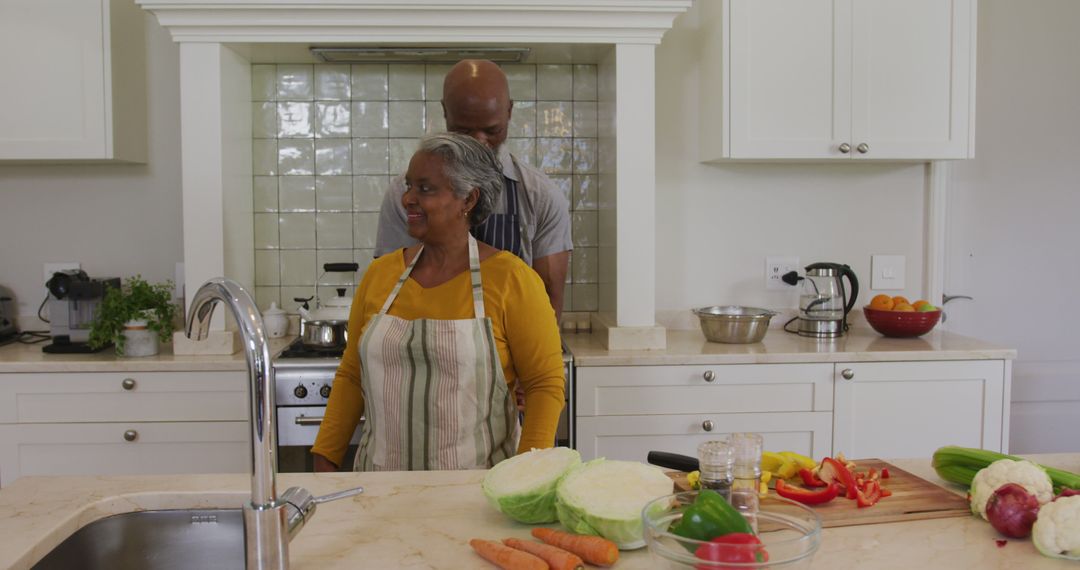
1057, 530
1023, 473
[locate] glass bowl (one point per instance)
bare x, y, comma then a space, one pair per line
789, 531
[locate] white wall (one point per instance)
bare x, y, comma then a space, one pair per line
117, 220
717, 223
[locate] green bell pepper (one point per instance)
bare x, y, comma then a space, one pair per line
710, 516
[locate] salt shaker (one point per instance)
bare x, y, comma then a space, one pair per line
746, 449
715, 464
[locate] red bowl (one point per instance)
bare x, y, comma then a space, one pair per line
902, 323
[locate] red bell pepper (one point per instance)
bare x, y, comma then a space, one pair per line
806, 496
734, 547
832, 471
871, 495
884, 472
809, 479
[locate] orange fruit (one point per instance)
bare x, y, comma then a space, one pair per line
920, 303
881, 302
898, 300
903, 307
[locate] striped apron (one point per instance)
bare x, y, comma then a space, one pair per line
503, 230
434, 392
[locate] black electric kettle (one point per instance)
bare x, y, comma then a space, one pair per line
824, 302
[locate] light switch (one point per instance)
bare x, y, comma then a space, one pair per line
887, 272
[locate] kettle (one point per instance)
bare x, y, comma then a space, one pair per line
824, 303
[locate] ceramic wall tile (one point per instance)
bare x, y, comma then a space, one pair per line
364, 226
333, 193
585, 119
264, 157
333, 119
406, 119
554, 155
336, 278
523, 119
586, 192
290, 294
266, 231
568, 299
401, 152
434, 73
407, 82
298, 267
295, 120
295, 82
585, 156
263, 82
265, 194
584, 229
585, 83
585, 297
554, 82
367, 192
434, 121
522, 79
296, 193
564, 182
363, 258
333, 157
523, 149
333, 82
296, 156
297, 231
584, 265
334, 231
267, 267
264, 121
370, 119
264, 296
370, 156
554, 118
370, 82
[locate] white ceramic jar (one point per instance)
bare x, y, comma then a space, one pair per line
276, 321
139, 340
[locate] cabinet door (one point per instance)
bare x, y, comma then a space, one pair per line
909, 409
790, 66
912, 78
632, 437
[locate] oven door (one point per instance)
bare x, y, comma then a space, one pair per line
297, 427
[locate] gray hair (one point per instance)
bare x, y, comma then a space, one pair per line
469, 164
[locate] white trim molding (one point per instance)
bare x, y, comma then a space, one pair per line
417, 21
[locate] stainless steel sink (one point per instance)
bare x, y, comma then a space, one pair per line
202, 539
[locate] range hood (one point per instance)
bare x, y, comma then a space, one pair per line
357, 54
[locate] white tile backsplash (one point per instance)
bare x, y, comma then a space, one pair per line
327, 138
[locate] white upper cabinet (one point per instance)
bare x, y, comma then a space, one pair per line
837, 79
72, 80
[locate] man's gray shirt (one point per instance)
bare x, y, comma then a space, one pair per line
543, 210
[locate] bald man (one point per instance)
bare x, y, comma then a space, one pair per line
531, 218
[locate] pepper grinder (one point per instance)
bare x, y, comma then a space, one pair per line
715, 462
746, 448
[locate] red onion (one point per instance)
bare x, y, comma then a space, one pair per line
1012, 510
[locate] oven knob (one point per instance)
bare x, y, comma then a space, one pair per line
325, 391
300, 391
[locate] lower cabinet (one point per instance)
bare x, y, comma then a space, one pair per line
105, 423
864, 409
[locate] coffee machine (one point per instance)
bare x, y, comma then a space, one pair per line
73, 301
824, 302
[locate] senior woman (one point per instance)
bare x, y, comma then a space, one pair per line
438, 332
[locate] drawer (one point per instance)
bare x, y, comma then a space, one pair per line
101, 449
123, 396
733, 388
631, 438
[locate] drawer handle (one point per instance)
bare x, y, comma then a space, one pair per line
709, 376
131, 435
847, 373
707, 425
128, 384
306, 421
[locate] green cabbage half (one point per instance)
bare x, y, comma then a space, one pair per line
606, 498
523, 486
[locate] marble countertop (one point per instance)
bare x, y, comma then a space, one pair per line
859, 345
18, 357
425, 519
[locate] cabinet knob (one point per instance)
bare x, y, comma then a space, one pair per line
709, 376
845, 148
847, 373
131, 435
128, 383
707, 425
863, 148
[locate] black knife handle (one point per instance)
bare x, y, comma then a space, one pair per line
673, 461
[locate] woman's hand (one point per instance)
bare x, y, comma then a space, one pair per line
324, 465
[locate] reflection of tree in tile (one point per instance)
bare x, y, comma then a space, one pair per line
332, 82
333, 120
294, 120
554, 155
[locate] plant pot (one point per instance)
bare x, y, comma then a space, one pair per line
139, 340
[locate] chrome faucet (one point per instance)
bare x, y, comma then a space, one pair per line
270, 521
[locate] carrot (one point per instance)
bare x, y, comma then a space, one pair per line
557, 558
505, 557
593, 549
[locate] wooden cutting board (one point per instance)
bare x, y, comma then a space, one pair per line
913, 498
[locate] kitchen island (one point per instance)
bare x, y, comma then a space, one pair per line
425, 519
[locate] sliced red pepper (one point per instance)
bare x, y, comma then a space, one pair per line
806, 496
884, 472
811, 480
871, 495
885, 492
832, 471
872, 474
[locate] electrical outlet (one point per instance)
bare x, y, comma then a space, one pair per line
887, 272
55, 266
775, 268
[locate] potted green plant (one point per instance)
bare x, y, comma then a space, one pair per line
134, 317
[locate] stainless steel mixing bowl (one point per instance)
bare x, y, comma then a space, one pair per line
734, 324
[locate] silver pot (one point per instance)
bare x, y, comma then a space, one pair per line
734, 324
327, 334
